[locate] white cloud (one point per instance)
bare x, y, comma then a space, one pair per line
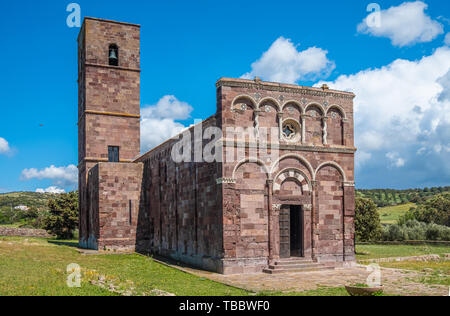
64, 176
402, 114
158, 121
395, 159
361, 158
445, 83
52, 189
168, 107
284, 63
404, 25
447, 39
4, 146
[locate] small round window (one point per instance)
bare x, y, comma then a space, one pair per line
291, 130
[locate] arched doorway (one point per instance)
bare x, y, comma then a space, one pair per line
291, 231
292, 198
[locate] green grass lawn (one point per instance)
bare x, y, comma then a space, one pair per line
38, 267
16, 225
34, 266
391, 214
364, 252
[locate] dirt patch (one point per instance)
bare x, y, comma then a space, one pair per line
396, 282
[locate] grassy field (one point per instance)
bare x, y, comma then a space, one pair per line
364, 252
30, 199
391, 214
33, 266
38, 267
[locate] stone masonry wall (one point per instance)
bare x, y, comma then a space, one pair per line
115, 190
181, 207
322, 155
108, 106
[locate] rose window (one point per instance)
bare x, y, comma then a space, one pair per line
290, 130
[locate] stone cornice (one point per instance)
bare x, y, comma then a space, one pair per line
112, 67
291, 147
108, 114
112, 114
98, 160
110, 21
286, 88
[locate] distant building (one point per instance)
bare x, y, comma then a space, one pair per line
22, 208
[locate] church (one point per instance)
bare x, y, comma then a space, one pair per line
278, 194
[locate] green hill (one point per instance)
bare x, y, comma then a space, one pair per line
32, 218
30, 199
391, 214
388, 197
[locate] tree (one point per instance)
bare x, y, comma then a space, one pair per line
435, 210
367, 220
63, 215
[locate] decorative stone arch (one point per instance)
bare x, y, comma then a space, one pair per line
275, 102
249, 160
299, 158
246, 97
331, 164
339, 109
295, 174
317, 105
296, 103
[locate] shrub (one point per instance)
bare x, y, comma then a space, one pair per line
63, 215
414, 230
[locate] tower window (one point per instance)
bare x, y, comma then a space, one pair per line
113, 55
113, 154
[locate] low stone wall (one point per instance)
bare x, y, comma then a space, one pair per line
23, 232
407, 242
424, 258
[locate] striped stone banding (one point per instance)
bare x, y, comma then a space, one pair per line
291, 174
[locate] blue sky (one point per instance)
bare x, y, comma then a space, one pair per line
187, 45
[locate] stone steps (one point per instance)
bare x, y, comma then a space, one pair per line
270, 271
292, 266
295, 265
293, 262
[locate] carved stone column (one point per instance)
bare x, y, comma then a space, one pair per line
344, 130
256, 114
280, 124
325, 130
303, 117
276, 231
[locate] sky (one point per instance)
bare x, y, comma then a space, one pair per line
394, 56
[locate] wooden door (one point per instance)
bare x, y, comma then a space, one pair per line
285, 232
296, 231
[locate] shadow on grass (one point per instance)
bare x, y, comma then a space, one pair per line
67, 243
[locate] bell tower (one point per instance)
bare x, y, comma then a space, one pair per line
109, 102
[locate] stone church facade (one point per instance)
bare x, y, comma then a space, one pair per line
240, 213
